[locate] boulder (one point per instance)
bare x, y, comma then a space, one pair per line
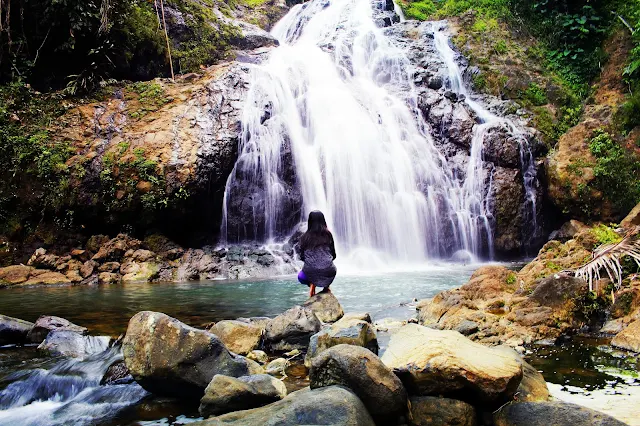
258, 356
47, 278
361, 371
632, 219
433, 411
117, 374
629, 338
69, 343
43, 260
325, 306
15, 274
568, 230
346, 331
362, 316
109, 267
109, 278
533, 387
95, 242
551, 413
170, 358
240, 337
13, 330
225, 394
291, 330
139, 271
87, 268
45, 324
435, 362
555, 291
334, 405
277, 367
113, 250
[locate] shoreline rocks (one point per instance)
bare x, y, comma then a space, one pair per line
291, 330
13, 331
46, 324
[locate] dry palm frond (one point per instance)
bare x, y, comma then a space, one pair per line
608, 257
104, 16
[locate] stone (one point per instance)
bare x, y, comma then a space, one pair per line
332, 405
325, 306
167, 357
533, 387
87, 268
45, 324
43, 260
551, 413
48, 278
80, 255
629, 338
632, 219
362, 316
435, 362
117, 374
109, 267
95, 242
346, 331
143, 271
258, 356
555, 291
568, 230
291, 330
15, 274
69, 343
225, 394
114, 249
13, 331
434, 411
277, 367
363, 372
74, 276
239, 337
109, 278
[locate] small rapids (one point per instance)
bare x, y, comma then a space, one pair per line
64, 391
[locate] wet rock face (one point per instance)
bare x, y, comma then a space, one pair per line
168, 357
332, 405
226, 394
13, 330
551, 413
46, 324
69, 343
291, 330
348, 331
117, 374
433, 411
433, 362
361, 371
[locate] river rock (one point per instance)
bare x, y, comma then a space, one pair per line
556, 290
258, 356
139, 271
629, 338
109, 278
45, 324
435, 362
47, 278
277, 367
433, 411
346, 331
168, 357
240, 337
326, 307
551, 413
332, 405
361, 371
225, 394
69, 343
117, 374
43, 260
568, 230
13, 331
15, 274
113, 250
533, 387
291, 330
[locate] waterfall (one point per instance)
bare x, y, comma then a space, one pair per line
333, 114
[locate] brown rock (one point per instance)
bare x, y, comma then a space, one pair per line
41, 259
144, 186
533, 386
632, 219
325, 306
433, 411
349, 331
109, 267
240, 337
551, 413
433, 362
45, 324
87, 268
79, 254
109, 278
48, 278
74, 276
15, 274
629, 338
95, 242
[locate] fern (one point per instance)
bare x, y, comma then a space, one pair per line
608, 257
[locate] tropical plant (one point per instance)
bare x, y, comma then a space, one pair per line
608, 257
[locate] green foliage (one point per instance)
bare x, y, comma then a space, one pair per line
536, 95
554, 127
511, 279
628, 115
605, 235
617, 171
420, 10
500, 47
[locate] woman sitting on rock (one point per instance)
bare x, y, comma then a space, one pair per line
317, 250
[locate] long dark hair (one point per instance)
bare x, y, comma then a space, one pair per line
317, 232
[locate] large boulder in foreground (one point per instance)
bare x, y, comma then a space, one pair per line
551, 413
348, 331
226, 394
45, 324
170, 358
361, 371
13, 331
629, 338
433, 411
326, 307
331, 406
240, 337
533, 387
68, 343
435, 362
291, 330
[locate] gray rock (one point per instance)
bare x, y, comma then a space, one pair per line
629, 338
326, 307
170, 358
226, 394
291, 330
45, 324
331, 406
433, 411
69, 343
551, 413
13, 331
361, 371
554, 291
346, 331
277, 367
117, 374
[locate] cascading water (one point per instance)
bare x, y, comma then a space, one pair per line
340, 97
